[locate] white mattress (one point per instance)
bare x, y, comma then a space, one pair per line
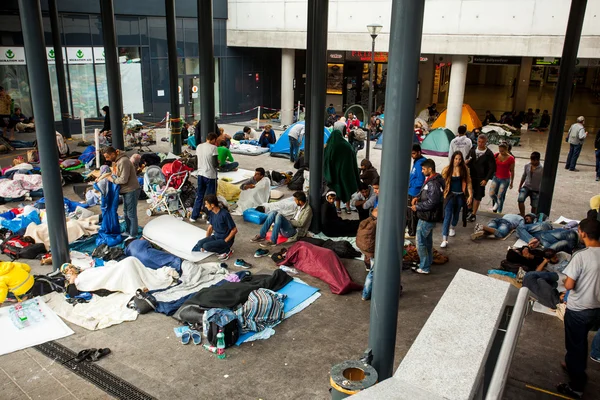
248, 149
176, 237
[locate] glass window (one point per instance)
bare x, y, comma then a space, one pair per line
129, 55
54, 89
77, 30
15, 81
10, 31
179, 34
192, 66
128, 31
190, 31
160, 80
83, 90
102, 87
96, 30
157, 31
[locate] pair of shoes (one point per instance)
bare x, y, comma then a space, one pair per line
268, 243
90, 355
565, 388
452, 232
257, 239
225, 256
242, 264
444, 244
193, 335
420, 271
261, 253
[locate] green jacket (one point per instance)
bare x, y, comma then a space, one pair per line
340, 167
224, 155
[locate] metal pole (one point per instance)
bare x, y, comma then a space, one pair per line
97, 143
561, 103
207, 69
82, 121
405, 48
59, 63
258, 119
41, 95
308, 82
371, 90
318, 81
113, 73
173, 77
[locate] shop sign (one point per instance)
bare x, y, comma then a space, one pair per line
51, 57
365, 56
494, 60
546, 61
335, 56
423, 59
12, 56
80, 55
99, 55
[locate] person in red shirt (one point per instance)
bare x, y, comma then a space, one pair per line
351, 121
503, 178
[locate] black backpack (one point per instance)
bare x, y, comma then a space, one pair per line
231, 332
297, 181
43, 284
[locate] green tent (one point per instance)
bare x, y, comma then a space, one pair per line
437, 142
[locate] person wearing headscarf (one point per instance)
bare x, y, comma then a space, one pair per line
368, 173
333, 224
106, 126
341, 169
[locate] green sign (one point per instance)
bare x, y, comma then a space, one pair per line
79, 53
9, 54
51, 54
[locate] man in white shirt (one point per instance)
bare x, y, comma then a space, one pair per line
575, 138
583, 306
295, 135
208, 161
460, 143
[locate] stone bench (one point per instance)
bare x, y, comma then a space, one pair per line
449, 356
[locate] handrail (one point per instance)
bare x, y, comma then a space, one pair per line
509, 345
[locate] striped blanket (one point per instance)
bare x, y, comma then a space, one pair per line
264, 308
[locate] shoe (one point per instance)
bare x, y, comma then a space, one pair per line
367, 266
478, 228
472, 218
192, 220
595, 359
495, 208
186, 337
414, 268
257, 239
225, 256
452, 232
261, 253
268, 243
565, 388
242, 264
444, 244
348, 211
196, 337
477, 235
420, 271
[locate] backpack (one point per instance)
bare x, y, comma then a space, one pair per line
18, 246
297, 180
43, 284
230, 330
360, 134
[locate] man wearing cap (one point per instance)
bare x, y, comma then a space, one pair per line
575, 138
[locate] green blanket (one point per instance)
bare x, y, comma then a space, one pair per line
341, 169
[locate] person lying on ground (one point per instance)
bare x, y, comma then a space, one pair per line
501, 227
363, 200
221, 230
292, 229
332, 224
368, 173
226, 161
543, 234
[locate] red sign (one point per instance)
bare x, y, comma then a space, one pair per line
380, 56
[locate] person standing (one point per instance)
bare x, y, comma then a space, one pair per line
583, 306
429, 208
295, 136
124, 175
597, 149
482, 165
208, 160
5, 121
460, 143
530, 184
221, 230
457, 183
340, 169
106, 125
503, 177
575, 138
415, 184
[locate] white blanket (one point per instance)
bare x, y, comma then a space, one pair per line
175, 237
286, 207
126, 276
193, 278
252, 198
248, 149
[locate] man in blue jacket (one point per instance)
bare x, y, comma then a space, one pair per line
414, 187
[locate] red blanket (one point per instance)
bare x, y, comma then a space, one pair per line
320, 263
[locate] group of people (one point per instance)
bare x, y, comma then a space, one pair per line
13, 119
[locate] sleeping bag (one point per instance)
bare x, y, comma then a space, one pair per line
320, 263
110, 230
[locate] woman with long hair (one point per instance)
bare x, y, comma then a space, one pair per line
458, 188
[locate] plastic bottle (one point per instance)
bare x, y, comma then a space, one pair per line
220, 344
210, 348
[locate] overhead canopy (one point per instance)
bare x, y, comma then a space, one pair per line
281, 148
437, 142
468, 117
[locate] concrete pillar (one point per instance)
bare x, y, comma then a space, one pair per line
288, 61
522, 86
456, 92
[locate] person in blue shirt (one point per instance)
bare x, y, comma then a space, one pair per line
221, 230
331, 109
414, 188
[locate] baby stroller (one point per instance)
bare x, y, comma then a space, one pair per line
163, 196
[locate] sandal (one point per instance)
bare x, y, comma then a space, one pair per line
196, 337
185, 338
98, 354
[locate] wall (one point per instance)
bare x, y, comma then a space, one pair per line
471, 27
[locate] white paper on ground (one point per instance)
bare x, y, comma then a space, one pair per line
537, 307
49, 328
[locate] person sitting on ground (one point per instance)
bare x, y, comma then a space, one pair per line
331, 109
544, 121
221, 230
292, 229
583, 307
501, 227
250, 183
376, 130
255, 191
16, 281
458, 195
267, 137
224, 158
531, 182
356, 138
340, 169
460, 143
246, 134
364, 200
332, 224
368, 173
21, 122
543, 234
223, 137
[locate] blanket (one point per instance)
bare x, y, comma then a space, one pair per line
286, 207
248, 149
228, 191
252, 198
20, 185
75, 230
321, 263
194, 277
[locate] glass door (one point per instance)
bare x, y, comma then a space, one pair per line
191, 97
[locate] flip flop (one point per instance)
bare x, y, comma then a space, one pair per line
196, 337
98, 354
185, 338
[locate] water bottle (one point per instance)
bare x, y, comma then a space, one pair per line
220, 344
210, 348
